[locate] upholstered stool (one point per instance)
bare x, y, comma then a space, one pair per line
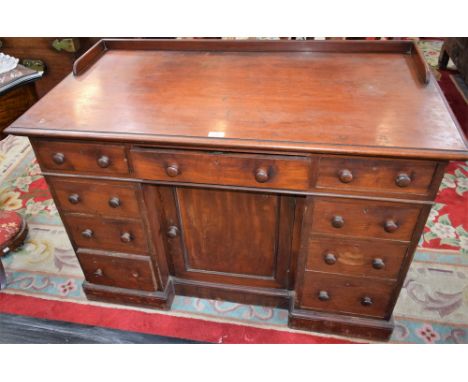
13, 231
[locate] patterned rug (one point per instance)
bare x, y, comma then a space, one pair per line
432, 307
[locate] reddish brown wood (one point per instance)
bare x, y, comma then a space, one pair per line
355, 257
364, 219
122, 271
14, 103
94, 232
288, 101
107, 199
229, 169
274, 174
360, 327
376, 176
254, 229
346, 295
76, 157
159, 300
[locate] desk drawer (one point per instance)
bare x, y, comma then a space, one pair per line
355, 257
340, 294
107, 234
92, 158
365, 218
131, 272
377, 176
267, 171
112, 199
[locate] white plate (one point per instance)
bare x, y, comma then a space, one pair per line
7, 63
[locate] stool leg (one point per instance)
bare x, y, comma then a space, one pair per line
2, 276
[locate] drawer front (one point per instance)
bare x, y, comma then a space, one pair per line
107, 234
112, 199
355, 257
89, 158
133, 272
368, 175
365, 218
268, 171
341, 294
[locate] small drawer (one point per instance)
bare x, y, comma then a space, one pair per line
111, 199
350, 295
89, 158
365, 218
377, 176
368, 258
266, 171
107, 234
131, 272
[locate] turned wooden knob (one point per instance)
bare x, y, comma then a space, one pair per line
135, 274
403, 180
366, 301
98, 272
323, 295
390, 226
345, 176
114, 202
126, 237
104, 161
378, 263
172, 170
172, 231
261, 175
58, 158
74, 198
337, 221
87, 233
329, 258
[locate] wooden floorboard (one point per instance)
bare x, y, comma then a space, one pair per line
16, 329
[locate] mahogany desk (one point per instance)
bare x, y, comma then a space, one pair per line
296, 174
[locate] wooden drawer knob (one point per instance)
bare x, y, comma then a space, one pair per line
98, 272
390, 226
261, 175
337, 221
126, 237
58, 158
403, 180
172, 170
345, 176
366, 301
74, 198
172, 231
114, 202
135, 274
378, 263
329, 258
87, 233
323, 295
104, 161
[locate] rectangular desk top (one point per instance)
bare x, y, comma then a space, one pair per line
371, 99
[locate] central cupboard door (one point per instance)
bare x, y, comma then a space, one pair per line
224, 236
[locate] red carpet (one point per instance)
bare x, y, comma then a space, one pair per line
154, 323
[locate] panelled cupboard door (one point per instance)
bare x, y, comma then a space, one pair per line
225, 236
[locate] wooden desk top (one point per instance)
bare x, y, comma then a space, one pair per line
311, 96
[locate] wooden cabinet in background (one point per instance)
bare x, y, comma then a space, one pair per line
293, 174
56, 54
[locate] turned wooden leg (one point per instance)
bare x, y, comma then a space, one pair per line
2, 276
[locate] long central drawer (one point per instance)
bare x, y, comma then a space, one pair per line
249, 170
